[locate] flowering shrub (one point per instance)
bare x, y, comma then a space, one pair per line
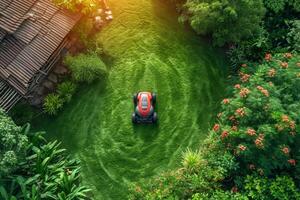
260, 123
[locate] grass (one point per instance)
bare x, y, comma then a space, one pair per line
149, 50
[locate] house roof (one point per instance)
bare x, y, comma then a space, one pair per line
30, 32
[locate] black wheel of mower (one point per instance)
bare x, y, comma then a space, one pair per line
154, 118
133, 118
153, 98
134, 98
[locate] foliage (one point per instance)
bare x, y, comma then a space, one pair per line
22, 113
280, 188
46, 173
53, 103
210, 166
84, 6
12, 146
280, 5
259, 125
227, 21
293, 37
86, 67
66, 90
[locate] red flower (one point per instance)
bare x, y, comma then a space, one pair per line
285, 150
224, 134
237, 86
244, 77
216, 127
244, 92
292, 162
251, 132
240, 112
288, 55
268, 57
226, 101
242, 147
284, 65
259, 141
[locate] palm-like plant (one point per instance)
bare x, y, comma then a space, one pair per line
46, 173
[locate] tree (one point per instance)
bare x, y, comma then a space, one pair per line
228, 21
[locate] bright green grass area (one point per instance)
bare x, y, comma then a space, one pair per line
149, 51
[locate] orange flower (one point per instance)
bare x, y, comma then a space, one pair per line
242, 147
251, 132
237, 86
216, 127
272, 72
259, 141
285, 150
285, 118
245, 77
292, 125
265, 92
244, 92
244, 65
268, 57
292, 162
284, 65
240, 112
225, 101
288, 55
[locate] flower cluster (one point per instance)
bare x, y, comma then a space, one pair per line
244, 92
262, 115
240, 112
268, 57
244, 77
259, 141
272, 72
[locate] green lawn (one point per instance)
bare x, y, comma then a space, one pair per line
149, 51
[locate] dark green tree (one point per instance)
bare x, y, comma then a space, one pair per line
227, 21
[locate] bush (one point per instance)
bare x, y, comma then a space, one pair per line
12, 146
66, 90
52, 103
227, 21
259, 125
86, 67
282, 187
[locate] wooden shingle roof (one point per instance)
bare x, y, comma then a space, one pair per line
36, 29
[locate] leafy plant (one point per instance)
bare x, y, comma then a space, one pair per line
86, 67
52, 103
66, 90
